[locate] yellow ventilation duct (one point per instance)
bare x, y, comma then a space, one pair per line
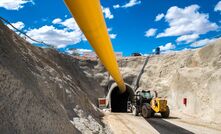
88, 15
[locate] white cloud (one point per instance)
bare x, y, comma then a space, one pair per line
113, 36
131, 3
69, 23
19, 25
79, 51
14, 4
57, 37
159, 17
218, 6
185, 21
69, 35
84, 50
203, 42
107, 13
109, 29
151, 32
56, 21
187, 38
116, 6
167, 47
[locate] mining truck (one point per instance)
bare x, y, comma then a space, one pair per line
147, 104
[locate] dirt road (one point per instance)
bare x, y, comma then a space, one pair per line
126, 123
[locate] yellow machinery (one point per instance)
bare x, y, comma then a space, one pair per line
147, 104
88, 15
159, 105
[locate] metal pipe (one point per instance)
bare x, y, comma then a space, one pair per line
88, 15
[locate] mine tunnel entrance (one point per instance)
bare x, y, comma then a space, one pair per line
118, 101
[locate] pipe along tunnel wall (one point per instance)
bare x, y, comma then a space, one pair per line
117, 101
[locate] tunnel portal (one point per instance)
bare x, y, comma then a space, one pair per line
117, 100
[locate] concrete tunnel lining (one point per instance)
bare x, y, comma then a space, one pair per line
118, 101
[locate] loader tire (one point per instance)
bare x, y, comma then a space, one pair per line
166, 114
152, 113
146, 111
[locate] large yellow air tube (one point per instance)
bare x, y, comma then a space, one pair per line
88, 15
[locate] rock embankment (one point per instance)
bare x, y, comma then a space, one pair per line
43, 91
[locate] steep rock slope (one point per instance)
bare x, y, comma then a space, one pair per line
43, 91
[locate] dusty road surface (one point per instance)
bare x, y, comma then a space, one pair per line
126, 123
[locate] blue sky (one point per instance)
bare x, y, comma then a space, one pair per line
133, 24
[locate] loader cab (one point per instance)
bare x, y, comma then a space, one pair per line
144, 96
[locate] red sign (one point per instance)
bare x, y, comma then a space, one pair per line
102, 101
185, 101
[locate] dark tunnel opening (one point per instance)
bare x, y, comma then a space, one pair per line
120, 100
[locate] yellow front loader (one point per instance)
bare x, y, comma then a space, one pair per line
148, 104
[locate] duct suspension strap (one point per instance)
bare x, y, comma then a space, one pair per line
137, 82
23, 33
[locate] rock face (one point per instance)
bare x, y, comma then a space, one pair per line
40, 88
195, 75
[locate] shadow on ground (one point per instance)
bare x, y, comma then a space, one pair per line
165, 127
